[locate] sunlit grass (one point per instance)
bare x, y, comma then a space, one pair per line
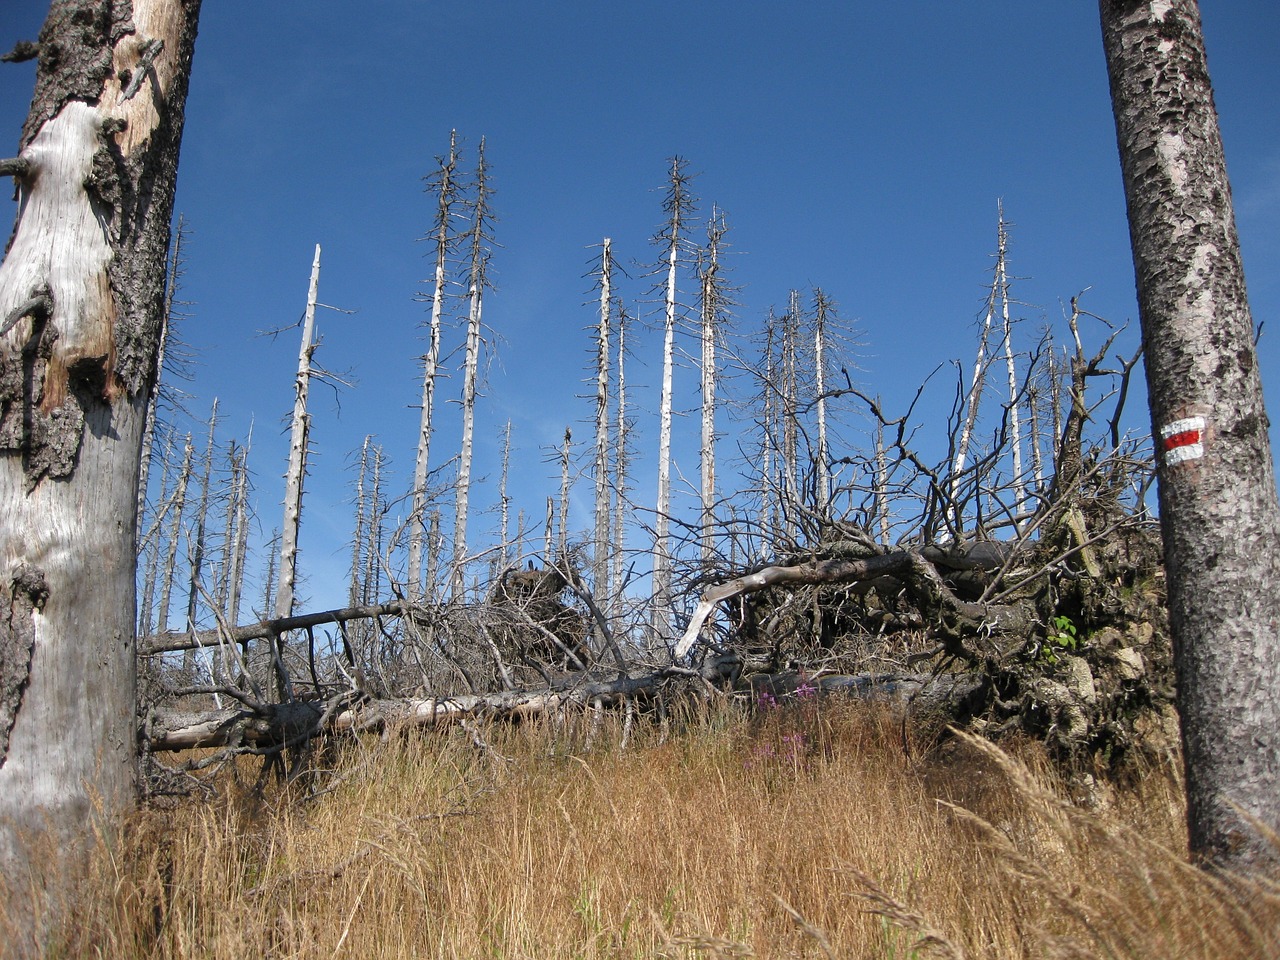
813, 830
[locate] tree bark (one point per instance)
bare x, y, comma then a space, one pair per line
299, 438
678, 205
600, 531
471, 369
445, 187
76, 372
1218, 506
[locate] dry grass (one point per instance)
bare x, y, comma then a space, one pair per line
810, 833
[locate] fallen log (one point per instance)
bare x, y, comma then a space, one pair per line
175, 640
278, 724
269, 724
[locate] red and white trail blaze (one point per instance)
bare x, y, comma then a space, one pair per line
1182, 440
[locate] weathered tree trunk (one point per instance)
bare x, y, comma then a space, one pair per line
240, 537
471, 369
621, 467
166, 331
822, 307
355, 595
81, 298
678, 205
178, 508
789, 395
222, 577
149, 547
566, 449
600, 534
195, 562
1218, 506
445, 186
711, 310
880, 485
768, 441
973, 401
504, 502
1011, 367
299, 436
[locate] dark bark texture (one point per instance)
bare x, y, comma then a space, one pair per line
81, 291
1218, 504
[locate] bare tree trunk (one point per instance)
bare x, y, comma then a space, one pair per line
789, 395
972, 402
565, 451
81, 299
600, 535
240, 536
677, 205
445, 187
221, 584
621, 464
177, 509
471, 371
151, 546
548, 530
880, 493
166, 329
355, 595
435, 545
768, 440
298, 441
504, 502
373, 552
1218, 506
821, 309
195, 563
1011, 368
711, 310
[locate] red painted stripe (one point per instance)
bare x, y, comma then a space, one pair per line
1184, 439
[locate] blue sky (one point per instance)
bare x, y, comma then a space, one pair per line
857, 147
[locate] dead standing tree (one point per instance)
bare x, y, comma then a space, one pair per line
679, 205
81, 300
445, 239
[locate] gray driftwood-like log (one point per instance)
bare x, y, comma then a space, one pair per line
274, 725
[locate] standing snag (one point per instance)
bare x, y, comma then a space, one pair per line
81, 299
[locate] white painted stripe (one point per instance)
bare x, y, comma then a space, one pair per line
1192, 451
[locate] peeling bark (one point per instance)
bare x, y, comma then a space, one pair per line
95, 200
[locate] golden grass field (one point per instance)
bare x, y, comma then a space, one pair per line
813, 830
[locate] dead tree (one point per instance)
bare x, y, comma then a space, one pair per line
600, 531
712, 308
444, 186
299, 438
477, 283
678, 205
197, 546
81, 303
166, 362
177, 510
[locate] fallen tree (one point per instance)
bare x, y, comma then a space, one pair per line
264, 727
